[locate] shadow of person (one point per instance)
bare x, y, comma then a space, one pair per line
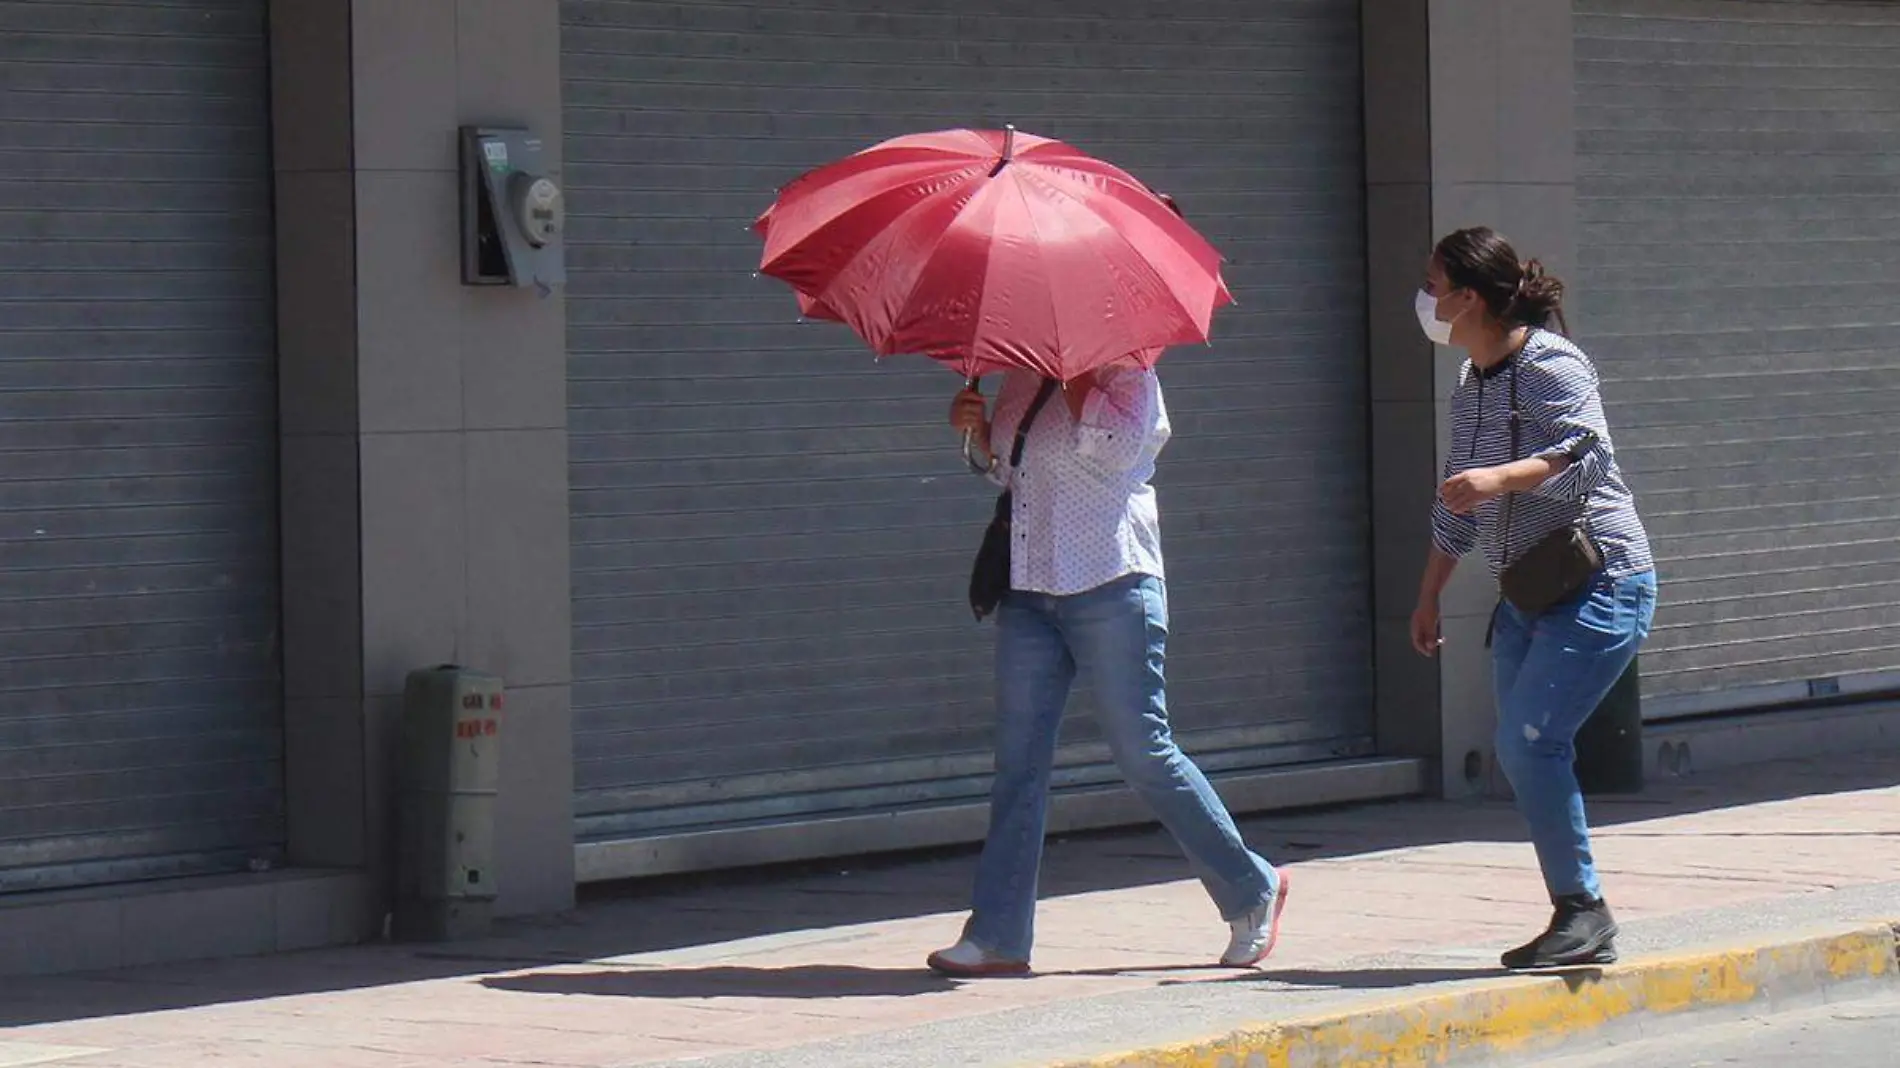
1371, 978
801, 981
1574, 978
1205, 971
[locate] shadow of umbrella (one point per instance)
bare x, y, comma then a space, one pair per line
803, 981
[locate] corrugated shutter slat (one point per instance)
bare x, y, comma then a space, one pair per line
772, 534
1739, 186
140, 690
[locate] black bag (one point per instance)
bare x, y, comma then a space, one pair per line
989, 575
1560, 564
1551, 571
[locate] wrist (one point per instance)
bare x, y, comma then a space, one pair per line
1528, 474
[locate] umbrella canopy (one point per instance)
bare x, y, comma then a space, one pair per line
990, 249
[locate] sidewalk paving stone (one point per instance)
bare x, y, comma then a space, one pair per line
686, 968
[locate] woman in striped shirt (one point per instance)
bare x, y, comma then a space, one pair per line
1506, 488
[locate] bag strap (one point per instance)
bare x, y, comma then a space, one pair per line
1583, 520
1029, 419
1504, 542
1504, 547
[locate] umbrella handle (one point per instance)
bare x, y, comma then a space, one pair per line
981, 467
988, 463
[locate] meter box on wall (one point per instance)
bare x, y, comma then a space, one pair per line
512, 212
450, 777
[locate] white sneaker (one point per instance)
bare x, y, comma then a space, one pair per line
1257, 931
967, 960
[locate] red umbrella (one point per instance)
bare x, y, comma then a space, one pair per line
989, 249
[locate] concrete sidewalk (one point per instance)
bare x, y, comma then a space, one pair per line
817, 964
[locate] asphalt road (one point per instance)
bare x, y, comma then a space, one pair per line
1855, 1034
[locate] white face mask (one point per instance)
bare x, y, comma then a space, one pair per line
1435, 328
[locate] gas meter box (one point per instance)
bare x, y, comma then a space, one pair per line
449, 776
512, 212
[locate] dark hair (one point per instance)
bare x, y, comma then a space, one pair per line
1516, 294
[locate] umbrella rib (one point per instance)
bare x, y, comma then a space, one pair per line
1109, 225
1055, 318
936, 243
817, 230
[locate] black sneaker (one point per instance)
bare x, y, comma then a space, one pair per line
1581, 932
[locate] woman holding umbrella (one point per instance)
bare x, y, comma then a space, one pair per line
993, 251
1088, 597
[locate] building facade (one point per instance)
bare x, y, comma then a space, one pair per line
266, 454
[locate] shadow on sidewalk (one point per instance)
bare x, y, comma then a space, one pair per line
1367, 978
659, 915
1404, 978
804, 904
799, 981
730, 981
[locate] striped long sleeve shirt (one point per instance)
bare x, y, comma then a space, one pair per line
1562, 415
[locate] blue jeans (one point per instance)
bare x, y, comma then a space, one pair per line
1550, 673
1116, 635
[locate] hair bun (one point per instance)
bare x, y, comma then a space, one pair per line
1540, 295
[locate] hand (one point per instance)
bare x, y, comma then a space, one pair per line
968, 414
1464, 492
1425, 633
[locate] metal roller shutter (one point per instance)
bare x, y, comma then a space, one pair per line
140, 720
1740, 216
771, 534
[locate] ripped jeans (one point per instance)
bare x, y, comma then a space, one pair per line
1550, 673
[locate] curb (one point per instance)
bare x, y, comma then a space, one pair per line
1525, 1015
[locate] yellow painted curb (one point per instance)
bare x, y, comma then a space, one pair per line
1532, 1013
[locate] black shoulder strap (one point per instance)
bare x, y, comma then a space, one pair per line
1029, 419
1504, 543
1504, 540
